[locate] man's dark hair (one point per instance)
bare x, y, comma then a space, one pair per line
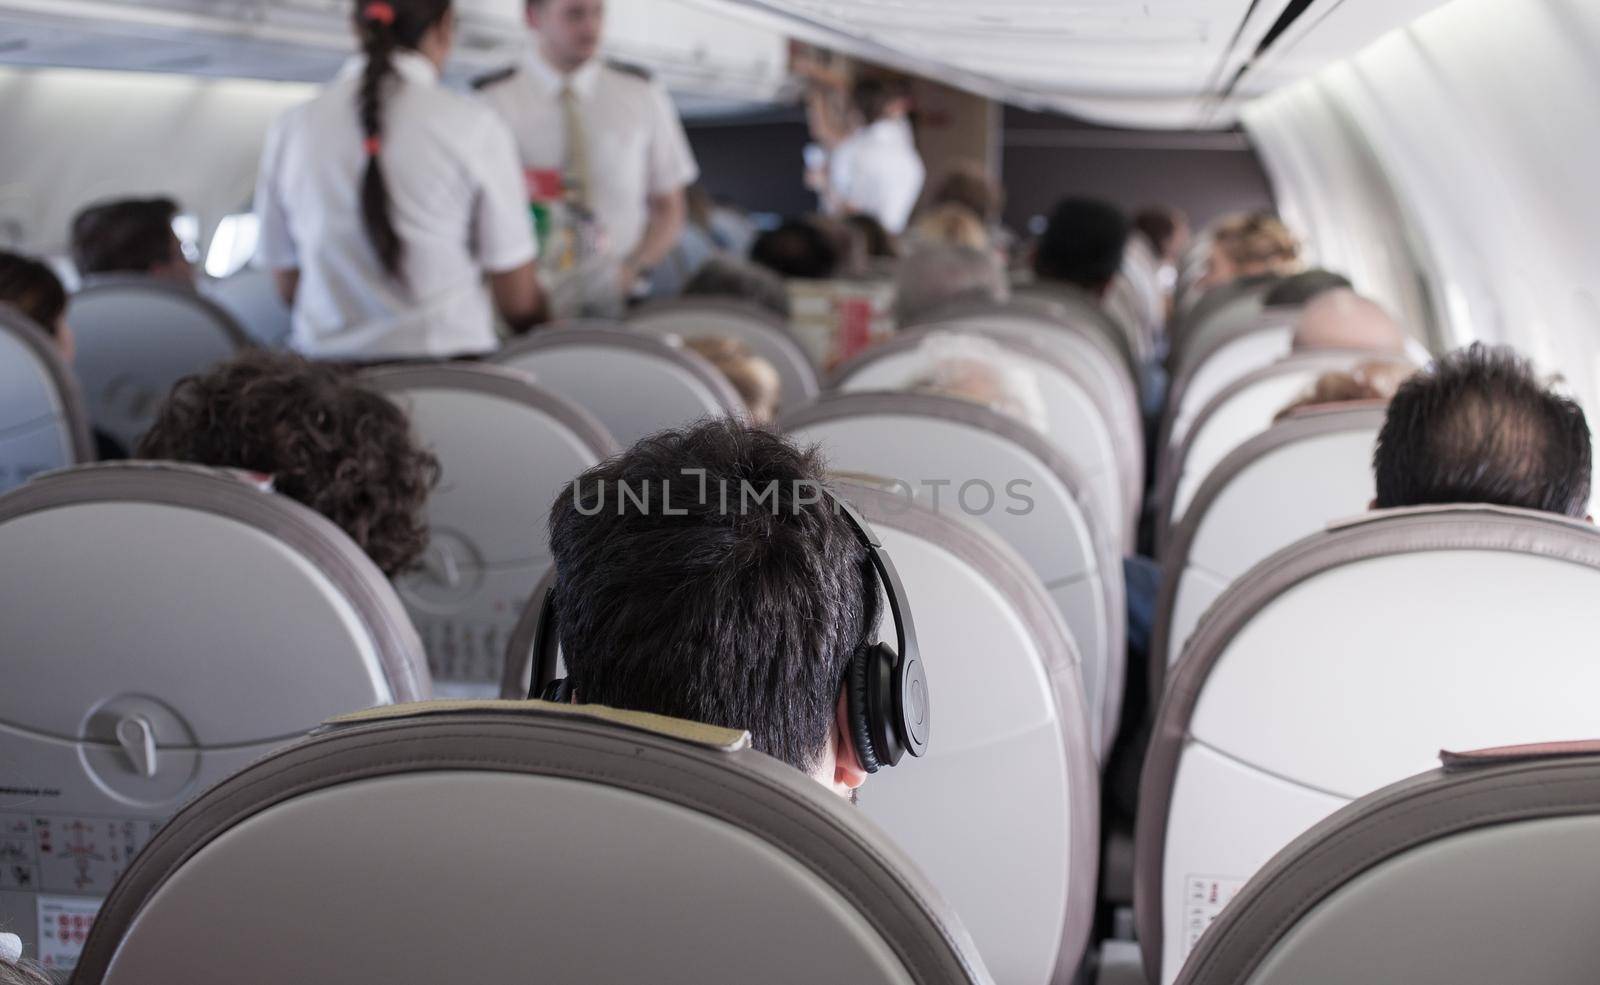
335, 446
799, 249
131, 236
33, 289
871, 98
878, 241
1158, 224
1083, 244
1303, 287
744, 612
1478, 427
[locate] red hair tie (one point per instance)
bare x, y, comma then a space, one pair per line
379, 12
373, 146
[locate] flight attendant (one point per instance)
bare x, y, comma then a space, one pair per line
393, 211
602, 144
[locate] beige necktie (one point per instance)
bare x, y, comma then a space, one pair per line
577, 165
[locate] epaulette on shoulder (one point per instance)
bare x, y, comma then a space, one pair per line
629, 68
494, 78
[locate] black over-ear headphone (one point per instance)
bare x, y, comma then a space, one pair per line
887, 692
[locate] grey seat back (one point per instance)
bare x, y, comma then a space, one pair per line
1073, 343
1344, 663
137, 337
763, 332
506, 449
1480, 873
1234, 416
602, 847
43, 422
165, 626
1074, 419
251, 297
983, 465
1076, 306
1211, 365
1012, 735
1286, 483
634, 384
1218, 312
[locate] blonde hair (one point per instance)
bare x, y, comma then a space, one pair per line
979, 370
1372, 381
1258, 243
755, 378
951, 224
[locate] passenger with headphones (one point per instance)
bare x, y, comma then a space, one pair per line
708, 574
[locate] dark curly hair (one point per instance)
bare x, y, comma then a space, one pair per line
342, 450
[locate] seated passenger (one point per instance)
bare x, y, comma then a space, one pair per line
1083, 245
934, 276
1343, 319
950, 225
755, 378
1304, 287
1166, 229
342, 450
34, 289
1251, 248
1368, 381
725, 609
131, 236
1478, 427
800, 249
727, 277
976, 370
968, 185
879, 242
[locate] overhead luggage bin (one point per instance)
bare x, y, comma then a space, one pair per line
764, 333
166, 625
487, 841
137, 337
972, 462
1342, 664
1075, 422
633, 383
43, 422
1016, 854
1286, 483
1479, 873
506, 450
1240, 412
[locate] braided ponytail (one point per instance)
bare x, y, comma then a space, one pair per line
386, 26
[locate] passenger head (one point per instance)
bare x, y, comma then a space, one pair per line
727, 277
878, 242
951, 225
800, 249
130, 236
341, 449
1478, 427
33, 289
1083, 245
13, 969
1166, 230
980, 371
1305, 287
877, 99
569, 30
755, 378
385, 27
1253, 245
1371, 381
744, 615
968, 184
1343, 319
934, 276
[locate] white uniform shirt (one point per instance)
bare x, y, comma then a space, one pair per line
636, 148
457, 199
877, 171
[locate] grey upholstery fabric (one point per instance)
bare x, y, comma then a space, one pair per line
694, 781
1528, 822
1376, 535
40, 373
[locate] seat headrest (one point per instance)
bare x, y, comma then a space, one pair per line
1457, 762
695, 733
1451, 512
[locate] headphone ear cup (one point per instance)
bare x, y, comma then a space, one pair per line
858, 683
